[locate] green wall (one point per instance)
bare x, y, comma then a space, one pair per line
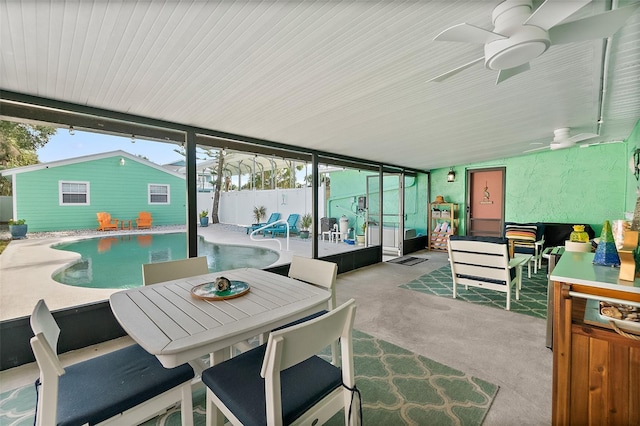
119, 190
572, 185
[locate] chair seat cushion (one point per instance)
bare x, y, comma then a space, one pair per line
517, 248
100, 388
484, 279
301, 320
238, 384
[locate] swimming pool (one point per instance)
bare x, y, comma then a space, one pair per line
115, 261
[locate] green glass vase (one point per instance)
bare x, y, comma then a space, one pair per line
579, 235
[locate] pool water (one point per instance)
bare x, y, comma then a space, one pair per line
115, 261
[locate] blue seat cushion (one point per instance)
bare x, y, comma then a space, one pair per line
301, 320
487, 280
100, 388
238, 384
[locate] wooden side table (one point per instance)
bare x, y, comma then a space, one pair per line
122, 224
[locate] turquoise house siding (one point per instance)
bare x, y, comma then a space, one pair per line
578, 185
121, 190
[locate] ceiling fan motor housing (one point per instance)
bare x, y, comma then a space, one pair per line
521, 44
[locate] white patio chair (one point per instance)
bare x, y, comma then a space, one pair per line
316, 272
153, 273
127, 386
322, 274
484, 262
284, 382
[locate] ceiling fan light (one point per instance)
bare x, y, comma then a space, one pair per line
526, 44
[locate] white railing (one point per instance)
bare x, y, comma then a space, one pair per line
271, 225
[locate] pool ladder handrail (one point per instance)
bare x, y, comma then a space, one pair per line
270, 225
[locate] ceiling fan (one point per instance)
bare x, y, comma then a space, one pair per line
561, 139
520, 35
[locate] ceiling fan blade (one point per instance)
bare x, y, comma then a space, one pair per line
552, 12
536, 149
561, 145
587, 145
454, 71
468, 33
591, 28
582, 136
510, 72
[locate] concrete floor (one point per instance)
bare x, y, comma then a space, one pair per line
502, 347
499, 346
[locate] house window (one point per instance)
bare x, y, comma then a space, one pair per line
74, 193
158, 194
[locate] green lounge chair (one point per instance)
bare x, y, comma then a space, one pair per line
272, 218
281, 228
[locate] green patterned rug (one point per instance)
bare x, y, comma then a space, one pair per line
533, 295
398, 388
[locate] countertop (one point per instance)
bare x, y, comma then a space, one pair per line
578, 268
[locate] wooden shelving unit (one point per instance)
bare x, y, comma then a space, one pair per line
439, 214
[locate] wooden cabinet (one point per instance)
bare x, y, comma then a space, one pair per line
596, 371
443, 222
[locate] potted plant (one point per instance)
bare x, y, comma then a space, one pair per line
360, 237
258, 213
18, 229
305, 223
204, 218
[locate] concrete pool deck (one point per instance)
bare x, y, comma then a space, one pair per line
27, 266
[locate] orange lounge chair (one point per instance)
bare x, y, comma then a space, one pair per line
144, 220
105, 222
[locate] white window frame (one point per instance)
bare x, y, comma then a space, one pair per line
61, 193
149, 186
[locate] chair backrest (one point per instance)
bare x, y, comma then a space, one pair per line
144, 217
317, 272
153, 273
292, 220
483, 258
292, 345
43, 322
104, 217
273, 217
44, 345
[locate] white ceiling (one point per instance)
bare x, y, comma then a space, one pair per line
348, 77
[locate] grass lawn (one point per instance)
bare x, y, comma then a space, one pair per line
3, 244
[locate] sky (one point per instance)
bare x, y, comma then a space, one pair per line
63, 145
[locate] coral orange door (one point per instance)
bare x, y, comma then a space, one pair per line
485, 202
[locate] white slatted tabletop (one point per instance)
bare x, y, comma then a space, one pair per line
168, 322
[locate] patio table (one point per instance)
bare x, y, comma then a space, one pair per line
174, 326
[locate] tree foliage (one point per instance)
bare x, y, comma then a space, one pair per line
18, 145
211, 154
